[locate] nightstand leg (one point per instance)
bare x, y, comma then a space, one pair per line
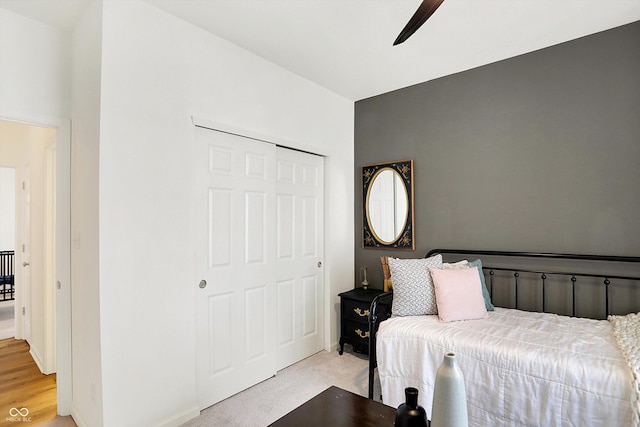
341, 346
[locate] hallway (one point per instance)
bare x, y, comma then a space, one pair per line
7, 319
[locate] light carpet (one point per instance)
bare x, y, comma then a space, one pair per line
56, 422
268, 401
7, 328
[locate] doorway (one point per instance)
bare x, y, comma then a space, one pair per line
7, 246
40, 155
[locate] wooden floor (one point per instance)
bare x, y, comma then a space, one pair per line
22, 385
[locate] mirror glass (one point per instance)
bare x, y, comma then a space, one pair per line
388, 205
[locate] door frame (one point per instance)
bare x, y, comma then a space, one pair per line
50, 257
62, 251
23, 291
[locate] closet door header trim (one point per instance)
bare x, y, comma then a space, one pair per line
247, 133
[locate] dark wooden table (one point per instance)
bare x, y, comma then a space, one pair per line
339, 408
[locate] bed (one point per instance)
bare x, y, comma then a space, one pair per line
558, 348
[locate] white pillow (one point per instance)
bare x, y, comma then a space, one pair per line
458, 294
413, 292
455, 265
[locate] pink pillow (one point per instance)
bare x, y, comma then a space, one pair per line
458, 294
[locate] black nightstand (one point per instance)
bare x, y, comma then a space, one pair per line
354, 317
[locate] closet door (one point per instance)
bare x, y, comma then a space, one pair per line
299, 255
235, 238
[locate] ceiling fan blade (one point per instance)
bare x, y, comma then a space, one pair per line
425, 10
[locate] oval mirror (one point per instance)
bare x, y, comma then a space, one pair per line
388, 205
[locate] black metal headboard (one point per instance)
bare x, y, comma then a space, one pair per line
557, 269
530, 279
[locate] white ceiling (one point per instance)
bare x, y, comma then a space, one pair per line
346, 45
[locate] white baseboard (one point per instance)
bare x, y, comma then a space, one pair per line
36, 358
182, 418
78, 419
176, 421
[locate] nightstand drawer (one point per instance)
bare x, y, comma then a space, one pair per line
356, 310
357, 332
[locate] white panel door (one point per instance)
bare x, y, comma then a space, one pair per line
235, 213
299, 255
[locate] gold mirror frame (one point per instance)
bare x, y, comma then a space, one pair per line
405, 238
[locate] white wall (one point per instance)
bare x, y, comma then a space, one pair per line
7, 208
157, 71
134, 91
34, 69
87, 406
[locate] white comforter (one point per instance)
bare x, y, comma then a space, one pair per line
520, 368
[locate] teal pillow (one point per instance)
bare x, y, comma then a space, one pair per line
485, 292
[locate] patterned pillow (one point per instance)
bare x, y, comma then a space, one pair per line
413, 292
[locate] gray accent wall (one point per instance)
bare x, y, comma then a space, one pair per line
540, 152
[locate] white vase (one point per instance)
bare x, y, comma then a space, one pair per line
449, 407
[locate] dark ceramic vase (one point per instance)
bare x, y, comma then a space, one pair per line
409, 414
